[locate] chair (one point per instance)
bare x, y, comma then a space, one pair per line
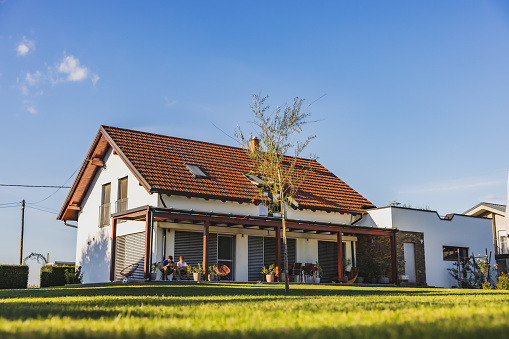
222, 270
352, 276
160, 267
128, 271
296, 270
306, 271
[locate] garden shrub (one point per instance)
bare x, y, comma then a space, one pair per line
13, 276
503, 282
60, 275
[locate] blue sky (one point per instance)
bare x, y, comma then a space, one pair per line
415, 107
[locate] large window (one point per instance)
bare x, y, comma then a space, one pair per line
453, 253
105, 208
121, 204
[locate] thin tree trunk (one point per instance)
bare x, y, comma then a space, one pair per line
283, 221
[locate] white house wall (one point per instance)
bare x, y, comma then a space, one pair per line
93, 242
462, 231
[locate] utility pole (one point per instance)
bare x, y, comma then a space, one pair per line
22, 230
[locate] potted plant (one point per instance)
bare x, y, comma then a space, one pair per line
370, 268
153, 274
269, 273
197, 272
318, 272
212, 273
383, 279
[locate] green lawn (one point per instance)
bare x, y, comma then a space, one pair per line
261, 311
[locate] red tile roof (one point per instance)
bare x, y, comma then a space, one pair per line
160, 161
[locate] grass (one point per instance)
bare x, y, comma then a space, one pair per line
190, 310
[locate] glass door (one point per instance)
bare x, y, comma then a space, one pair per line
225, 254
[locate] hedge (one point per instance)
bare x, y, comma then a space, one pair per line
54, 275
13, 276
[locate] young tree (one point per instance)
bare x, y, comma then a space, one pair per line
280, 174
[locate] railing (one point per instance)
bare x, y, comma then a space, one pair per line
104, 215
502, 249
121, 205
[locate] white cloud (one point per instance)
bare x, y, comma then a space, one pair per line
454, 187
33, 79
95, 79
25, 46
71, 66
30, 107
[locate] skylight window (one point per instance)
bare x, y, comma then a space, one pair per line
197, 172
256, 180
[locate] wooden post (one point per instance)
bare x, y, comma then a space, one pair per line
113, 255
149, 221
205, 249
340, 257
393, 258
22, 232
278, 253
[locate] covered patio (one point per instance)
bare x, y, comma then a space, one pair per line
149, 215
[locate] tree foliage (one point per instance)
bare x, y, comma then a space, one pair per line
276, 159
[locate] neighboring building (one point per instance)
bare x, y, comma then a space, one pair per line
140, 197
435, 243
497, 214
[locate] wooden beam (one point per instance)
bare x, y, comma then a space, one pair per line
205, 250
97, 162
74, 207
149, 221
340, 257
393, 259
113, 254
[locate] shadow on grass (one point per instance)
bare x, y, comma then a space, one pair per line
156, 300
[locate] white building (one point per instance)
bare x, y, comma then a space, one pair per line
443, 238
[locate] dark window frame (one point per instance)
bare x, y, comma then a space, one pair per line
454, 253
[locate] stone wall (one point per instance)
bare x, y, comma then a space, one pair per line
417, 238
375, 250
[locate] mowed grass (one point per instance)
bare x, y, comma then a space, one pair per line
189, 310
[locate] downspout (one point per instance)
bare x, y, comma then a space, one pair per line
70, 225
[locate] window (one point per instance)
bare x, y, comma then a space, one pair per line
196, 171
121, 204
502, 243
453, 253
105, 208
255, 179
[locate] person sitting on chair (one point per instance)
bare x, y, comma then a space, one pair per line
168, 266
182, 267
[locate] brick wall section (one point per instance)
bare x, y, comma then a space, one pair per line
379, 249
376, 247
417, 238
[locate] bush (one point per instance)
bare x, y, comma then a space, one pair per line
60, 275
503, 282
13, 276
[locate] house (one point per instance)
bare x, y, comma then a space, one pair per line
139, 197
496, 213
431, 243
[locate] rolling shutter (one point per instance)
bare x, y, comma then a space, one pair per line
189, 245
262, 252
328, 259
254, 258
130, 250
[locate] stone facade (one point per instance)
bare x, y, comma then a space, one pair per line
417, 238
374, 254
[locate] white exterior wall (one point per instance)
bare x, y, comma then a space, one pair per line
240, 259
93, 243
462, 231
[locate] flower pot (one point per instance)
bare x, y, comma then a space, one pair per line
153, 276
281, 277
317, 280
212, 277
345, 279
360, 280
196, 276
383, 280
269, 277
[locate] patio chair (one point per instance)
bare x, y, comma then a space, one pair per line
296, 271
352, 276
306, 271
222, 270
160, 267
128, 271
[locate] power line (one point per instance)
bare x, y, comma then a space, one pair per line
9, 206
40, 209
49, 196
10, 203
35, 186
